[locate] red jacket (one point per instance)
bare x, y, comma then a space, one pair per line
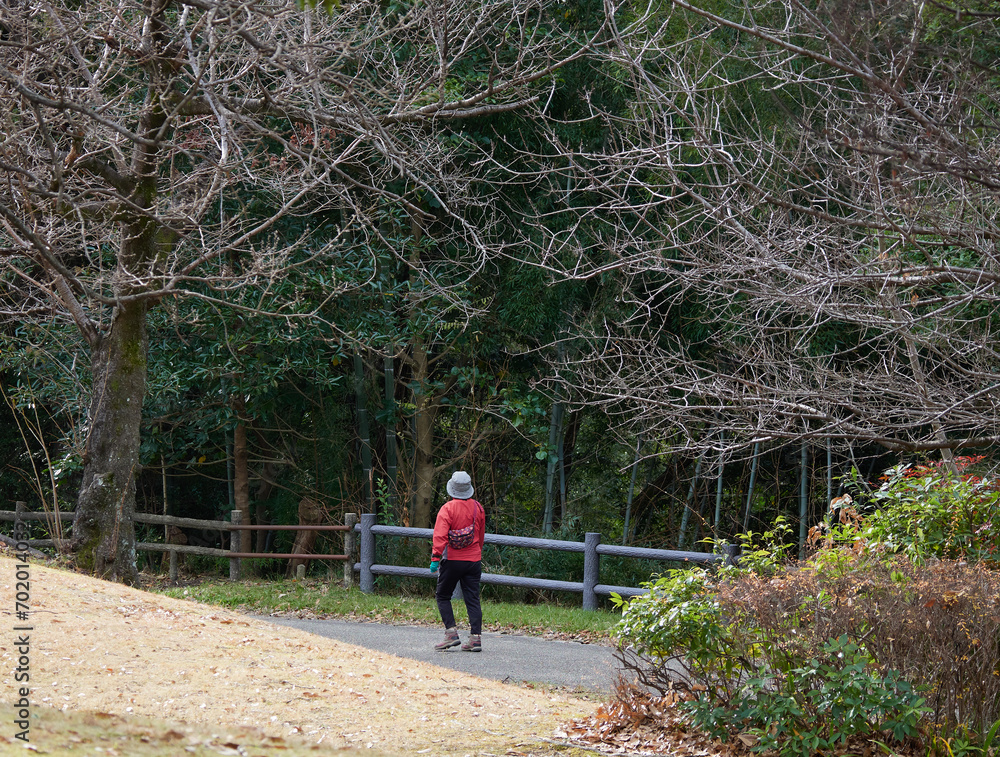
455, 514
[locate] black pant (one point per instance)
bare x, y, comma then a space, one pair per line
452, 573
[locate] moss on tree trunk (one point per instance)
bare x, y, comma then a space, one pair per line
103, 529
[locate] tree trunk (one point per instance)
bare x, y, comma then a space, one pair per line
364, 435
567, 457
803, 500
241, 475
646, 501
555, 428
241, 462
718, 490
689, 503
753, 480
631, 489
391, 465
829, 473
425, 412
311, 513
268, 475
103, 527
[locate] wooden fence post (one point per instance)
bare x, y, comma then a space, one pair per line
174, 571
20, 531
591, 569
350, 520
234, 546
367, 553
732, 553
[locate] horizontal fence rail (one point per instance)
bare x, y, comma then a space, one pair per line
49, 518
234, 553
591, 548
362, 536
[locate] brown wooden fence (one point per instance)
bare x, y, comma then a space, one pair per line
235, 554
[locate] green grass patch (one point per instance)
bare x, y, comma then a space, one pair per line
314, 597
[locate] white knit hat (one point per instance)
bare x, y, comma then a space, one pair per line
460, 485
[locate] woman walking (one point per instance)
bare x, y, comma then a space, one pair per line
456, 557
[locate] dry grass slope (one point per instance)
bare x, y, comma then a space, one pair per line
103, 650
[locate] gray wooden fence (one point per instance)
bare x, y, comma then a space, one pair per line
591, 547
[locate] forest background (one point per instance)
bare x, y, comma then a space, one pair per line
664, 270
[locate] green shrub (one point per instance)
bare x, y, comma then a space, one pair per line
818, 704
764, 553
927, 511
679, 619
890, 629
844, 645
793, 695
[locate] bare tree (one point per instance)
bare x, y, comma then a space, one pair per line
154, 149
801, 210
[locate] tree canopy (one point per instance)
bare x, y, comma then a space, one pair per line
344, 251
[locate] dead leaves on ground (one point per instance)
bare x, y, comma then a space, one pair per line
635, 722
638, 723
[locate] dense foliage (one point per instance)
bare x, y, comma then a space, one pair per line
926, 511
889, 631
662, 271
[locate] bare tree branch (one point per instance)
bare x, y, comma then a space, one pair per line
800, 209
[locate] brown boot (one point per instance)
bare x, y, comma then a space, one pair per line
450, 640
474, 644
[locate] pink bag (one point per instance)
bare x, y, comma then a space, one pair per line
460, 538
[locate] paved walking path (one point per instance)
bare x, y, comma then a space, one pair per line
505, 657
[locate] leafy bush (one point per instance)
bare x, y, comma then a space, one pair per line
845, 645
750, 679
680, 619
819, 704
768, 552
928, 511
890, 629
